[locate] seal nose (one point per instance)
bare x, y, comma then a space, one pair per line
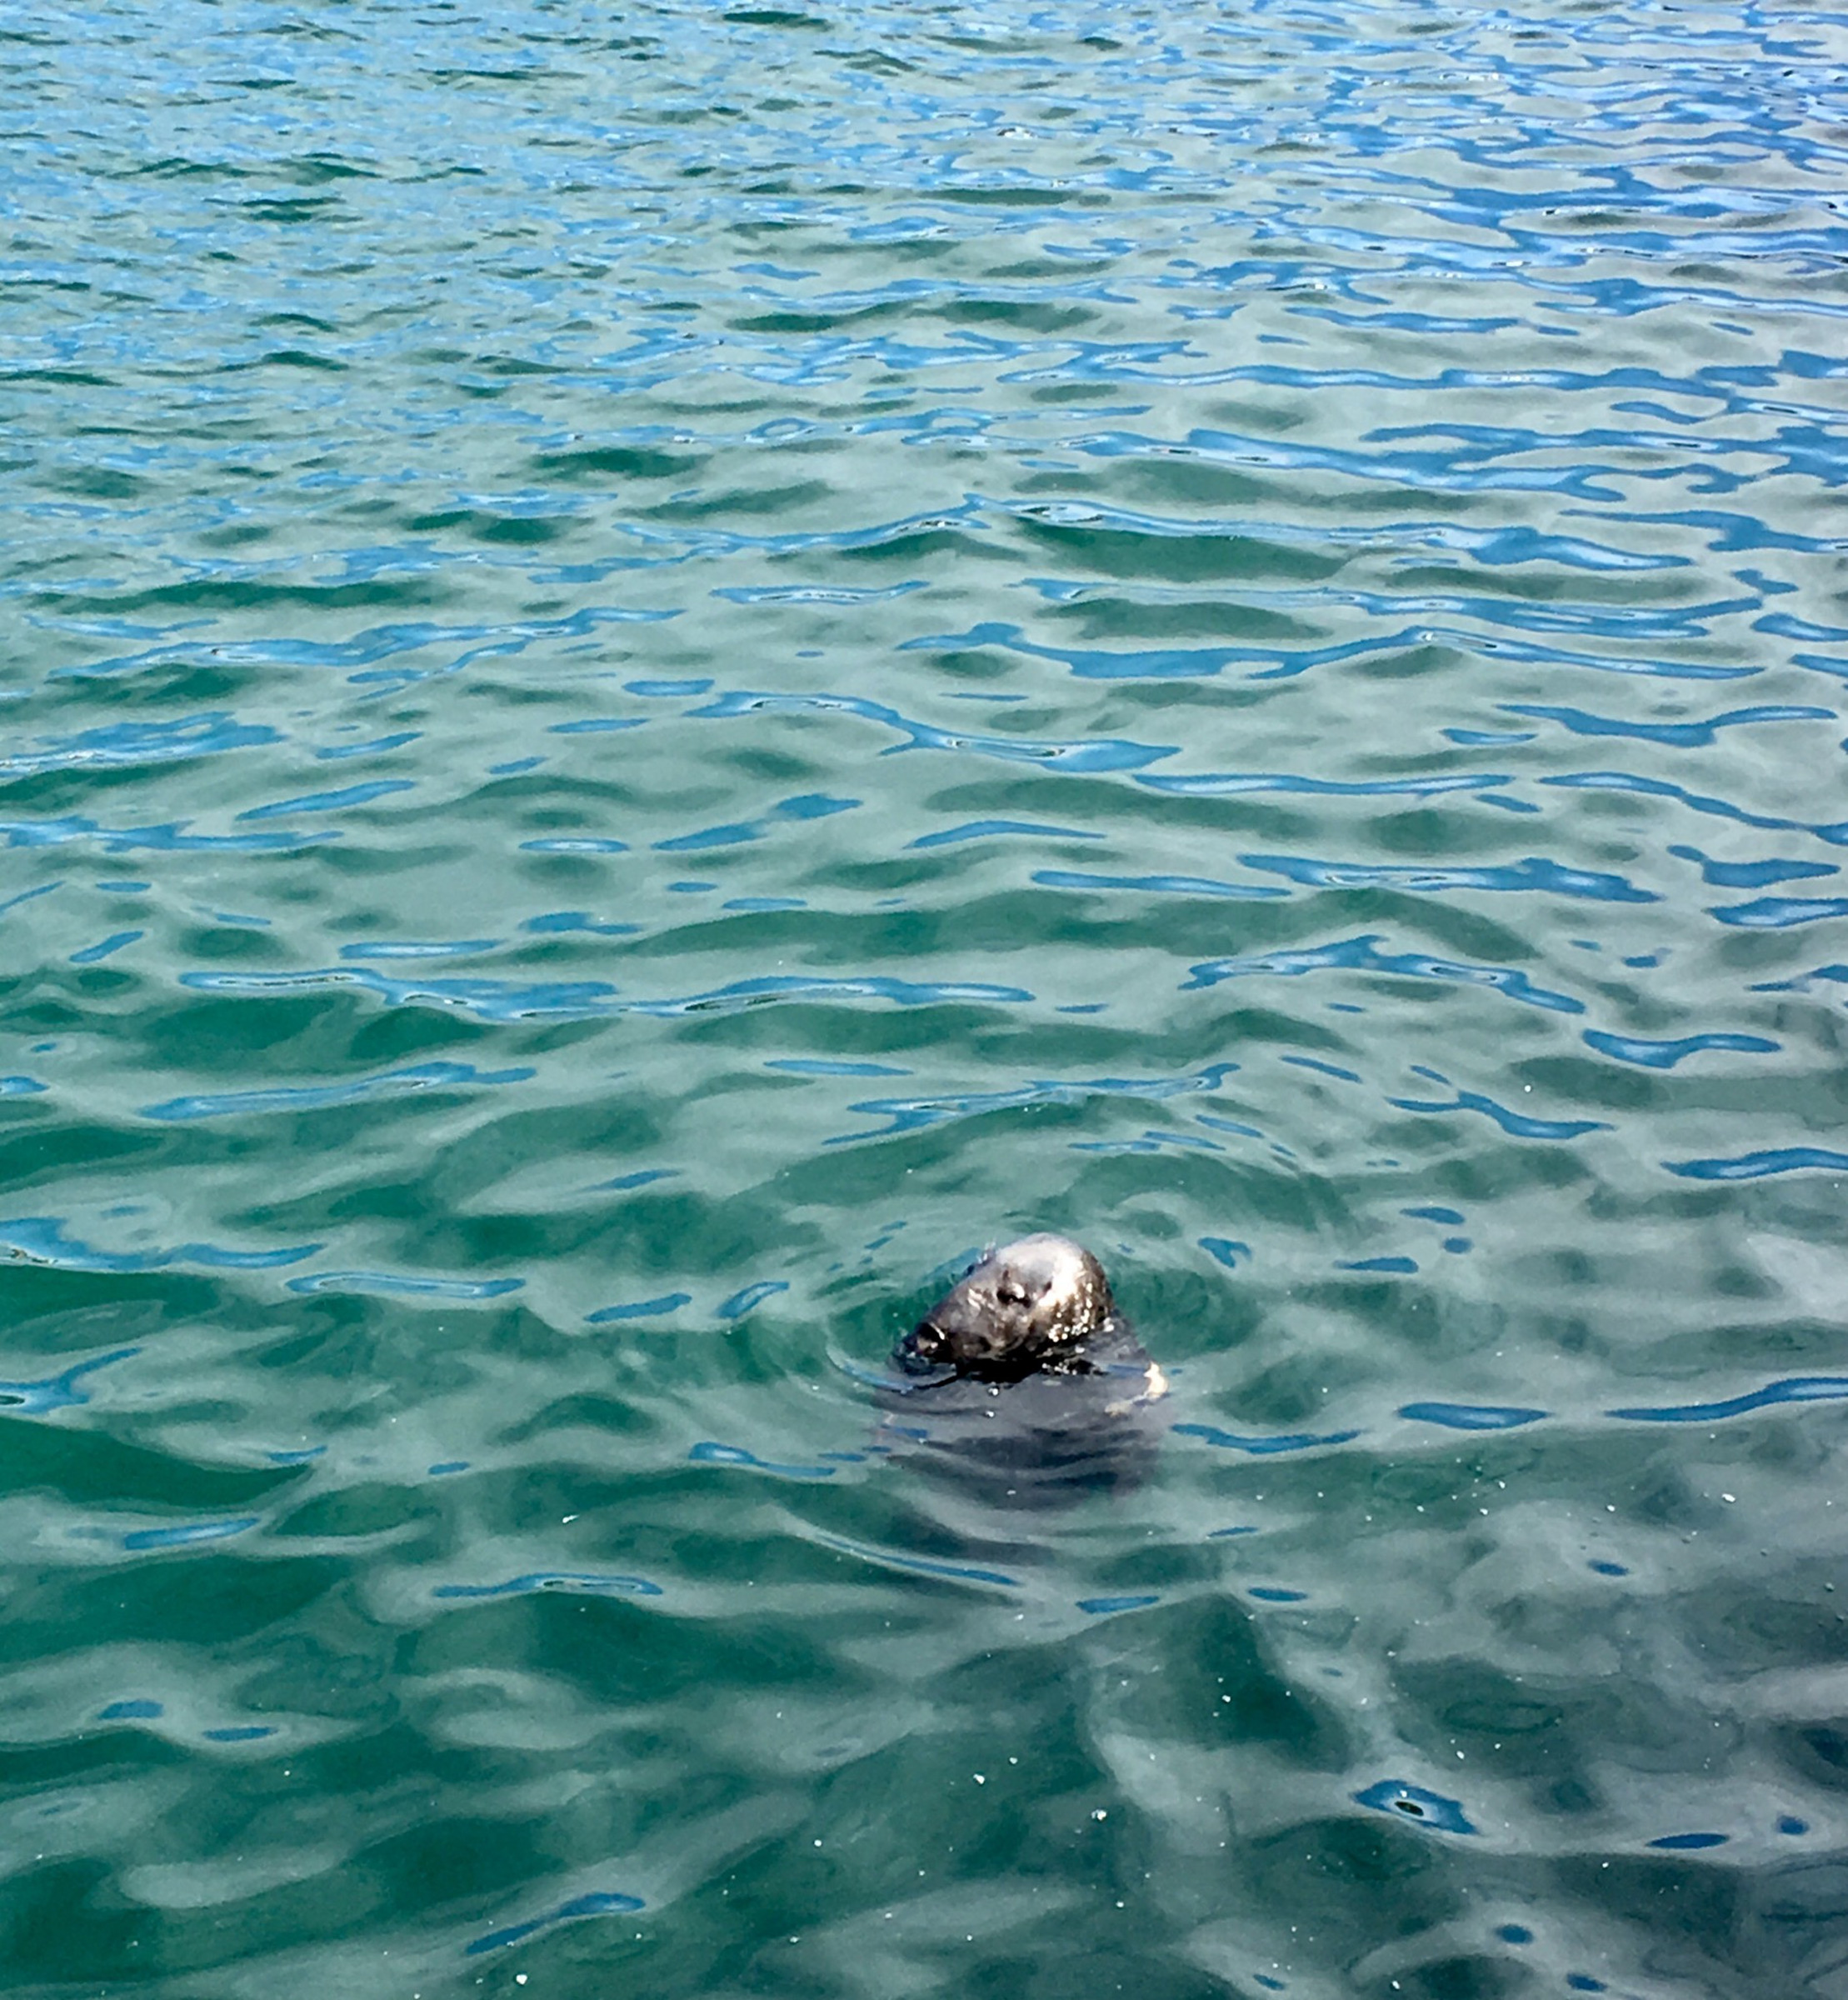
925, 1346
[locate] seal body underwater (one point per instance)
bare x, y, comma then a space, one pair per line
1024, 1384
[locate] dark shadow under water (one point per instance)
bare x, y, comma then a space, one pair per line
1045, 1441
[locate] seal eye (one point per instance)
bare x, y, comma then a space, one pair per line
1010, 1291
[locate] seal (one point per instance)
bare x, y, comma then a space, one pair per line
1025, 1381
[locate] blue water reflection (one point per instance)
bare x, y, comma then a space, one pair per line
1415, 1802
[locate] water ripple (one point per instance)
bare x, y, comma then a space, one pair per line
508, 1000
1517, 1124
1534, 872
593, 1902
125, 745
1359, 954
44, 1240
427, 1076
1083, 754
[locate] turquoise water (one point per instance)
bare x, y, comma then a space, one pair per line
664, 668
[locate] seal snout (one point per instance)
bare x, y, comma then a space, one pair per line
926, 1346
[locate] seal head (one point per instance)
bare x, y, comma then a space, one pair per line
1031, 1305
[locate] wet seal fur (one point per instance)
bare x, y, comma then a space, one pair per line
1025, 1383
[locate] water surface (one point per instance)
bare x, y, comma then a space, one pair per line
664, 668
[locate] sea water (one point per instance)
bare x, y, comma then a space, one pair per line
665, 667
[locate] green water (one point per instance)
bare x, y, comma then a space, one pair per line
661, 670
